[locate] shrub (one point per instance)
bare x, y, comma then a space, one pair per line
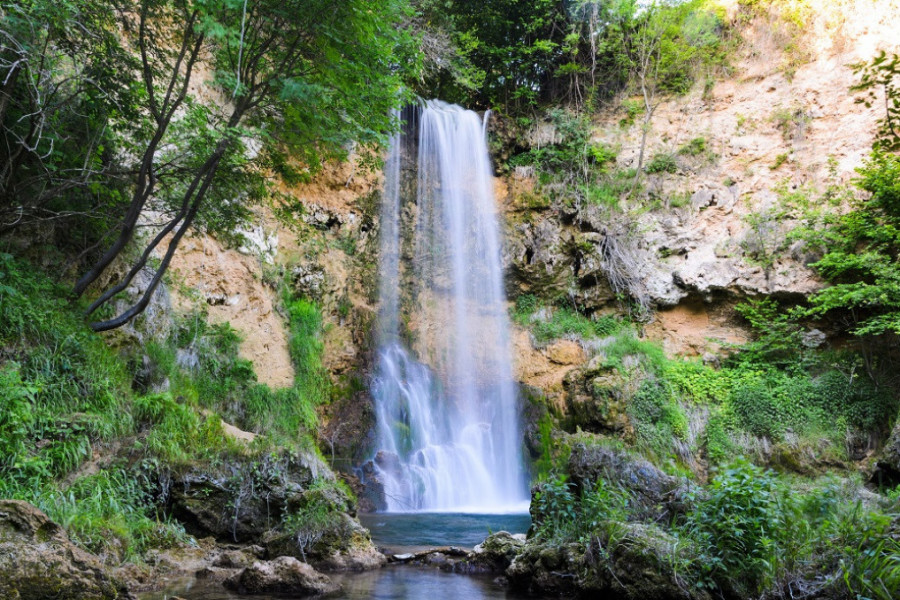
662, 162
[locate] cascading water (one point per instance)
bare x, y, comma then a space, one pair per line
449, 433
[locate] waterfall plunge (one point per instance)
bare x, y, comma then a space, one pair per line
449, 434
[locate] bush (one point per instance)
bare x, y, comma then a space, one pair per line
662, 162
548, 324
737, 523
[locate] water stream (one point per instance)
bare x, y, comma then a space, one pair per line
448, 425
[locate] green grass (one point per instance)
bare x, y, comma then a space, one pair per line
65, 395
552, 323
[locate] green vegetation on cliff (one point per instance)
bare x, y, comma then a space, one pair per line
78, 442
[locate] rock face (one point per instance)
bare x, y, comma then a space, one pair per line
652, 492
887, 467
284, 575
630, 560
596, 398
253, 503
37, 560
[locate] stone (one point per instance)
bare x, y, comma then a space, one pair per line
887, 466
284, 575
38, 561
596, 399
651, 489
565, 352
498, 550
812, 338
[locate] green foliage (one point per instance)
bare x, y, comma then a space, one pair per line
657, 418
548, 324
779, 160
644, 354
778, 337
213, 376
515, 55
61, 388
68, 106
320, 512
738, 522
111, 513
881, 75
696, 147
861, 246
560, 514
662, 162
766, 237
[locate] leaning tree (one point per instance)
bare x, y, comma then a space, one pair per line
305, 77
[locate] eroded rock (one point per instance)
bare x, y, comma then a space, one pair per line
284, 575
38, 561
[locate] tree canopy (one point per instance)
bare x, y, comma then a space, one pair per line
98, 117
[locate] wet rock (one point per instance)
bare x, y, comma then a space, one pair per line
37, 560
284, 575
238, 501
546, 570
497, 552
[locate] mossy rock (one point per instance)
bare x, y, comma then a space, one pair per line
596, 400
38, 561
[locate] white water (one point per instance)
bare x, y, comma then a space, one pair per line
449, 433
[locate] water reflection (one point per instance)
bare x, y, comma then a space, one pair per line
395, 582
415, 530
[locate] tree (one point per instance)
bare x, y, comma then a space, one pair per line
666, 41
65, 104
863, 246
882, 74
304, 76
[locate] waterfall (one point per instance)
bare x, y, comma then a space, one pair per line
448, 425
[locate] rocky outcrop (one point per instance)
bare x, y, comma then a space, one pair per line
596, 398
638, 565
280, 504
497, 552
38, 561
653, 494
284, 575
887, 466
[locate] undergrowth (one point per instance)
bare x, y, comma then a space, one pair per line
66, 398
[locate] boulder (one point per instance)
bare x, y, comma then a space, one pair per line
241, 501
639, 565
653, 492
38, 561
596, 399
547, 570
284, 575
497, 552
338, 544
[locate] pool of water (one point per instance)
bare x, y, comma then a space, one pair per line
401, 531
393, 582
396, 532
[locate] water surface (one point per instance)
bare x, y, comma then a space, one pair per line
394, 582
400, 531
